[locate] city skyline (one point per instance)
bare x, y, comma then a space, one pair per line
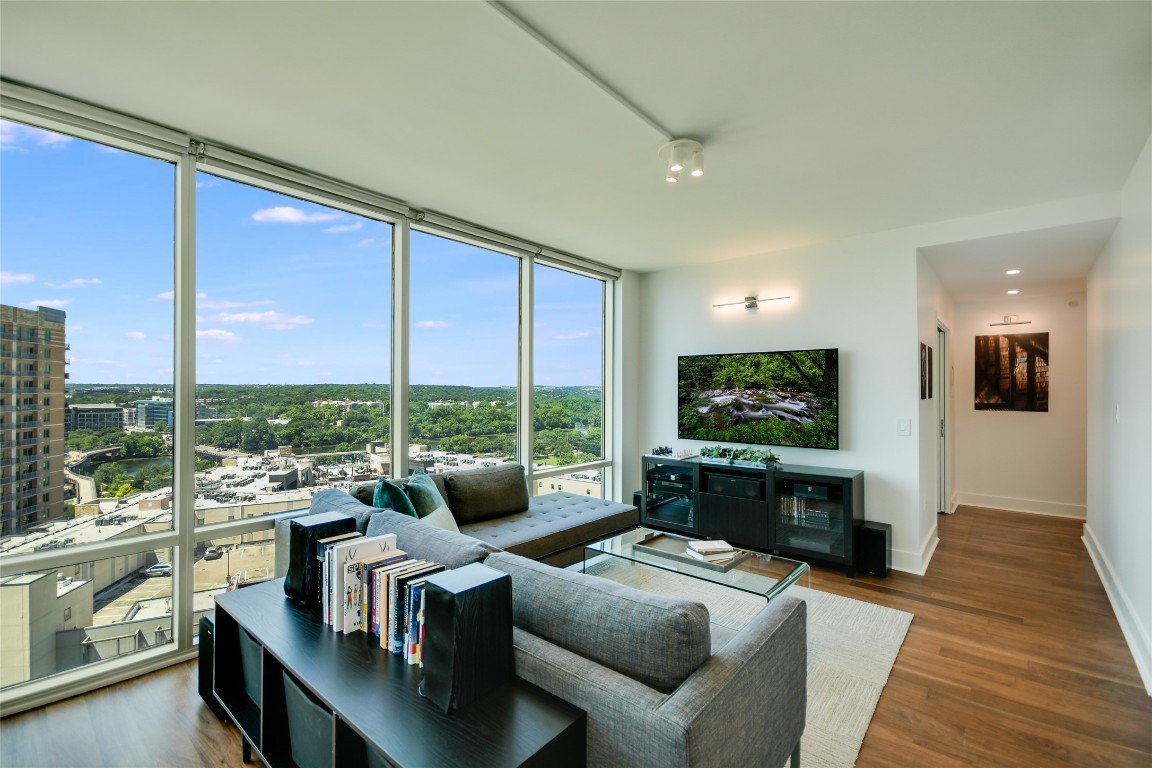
288, 292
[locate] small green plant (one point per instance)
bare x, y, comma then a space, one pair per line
740, 454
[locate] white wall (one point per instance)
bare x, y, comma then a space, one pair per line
1024, 461
626, 344
858, 296
1119, 528
863, 295
935, 310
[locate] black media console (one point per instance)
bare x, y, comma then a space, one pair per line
367, 701
810, 512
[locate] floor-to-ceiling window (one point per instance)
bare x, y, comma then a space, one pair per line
463, 354
568, 374
86, 394
194, 341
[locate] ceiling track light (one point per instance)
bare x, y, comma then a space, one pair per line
683, 154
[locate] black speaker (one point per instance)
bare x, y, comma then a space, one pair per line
302, 583
874, 548
467, 635
636, 496
207, 651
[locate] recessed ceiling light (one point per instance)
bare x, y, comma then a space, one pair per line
1012, 272
1013, 292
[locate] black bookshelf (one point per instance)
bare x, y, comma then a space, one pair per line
378, 717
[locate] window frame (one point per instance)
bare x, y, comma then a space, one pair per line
190, 155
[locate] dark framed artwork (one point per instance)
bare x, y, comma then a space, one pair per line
1012, 372
930, 370
923, 371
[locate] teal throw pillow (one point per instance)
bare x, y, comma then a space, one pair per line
423, 494
388, 495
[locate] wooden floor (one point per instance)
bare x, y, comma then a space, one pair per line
1014, 659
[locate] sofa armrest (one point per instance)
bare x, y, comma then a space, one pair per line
744, 706
756, 686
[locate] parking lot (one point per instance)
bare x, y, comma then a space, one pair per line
245, 563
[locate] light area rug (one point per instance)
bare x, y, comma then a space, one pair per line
852, 646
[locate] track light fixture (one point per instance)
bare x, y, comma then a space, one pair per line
682, 154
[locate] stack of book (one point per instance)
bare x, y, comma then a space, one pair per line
715, 551
368, 585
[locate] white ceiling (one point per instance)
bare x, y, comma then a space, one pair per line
820, 120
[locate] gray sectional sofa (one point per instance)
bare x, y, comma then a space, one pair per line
662, 686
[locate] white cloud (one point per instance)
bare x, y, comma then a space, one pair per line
78, 282
367, 243
344, 227
286, 214
203, 303
206, 182
16, 278
17, 136
305, 363
271, 319
167, 371
199, 318
135, 335
571, 336
375, 325
53, 303
433, 324
217, 335
80, 361
165, 296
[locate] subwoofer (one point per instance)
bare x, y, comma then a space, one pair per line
874, 548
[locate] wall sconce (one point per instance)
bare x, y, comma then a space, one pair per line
750, 302
1011, 320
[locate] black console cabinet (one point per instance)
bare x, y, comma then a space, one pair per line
367, 701
816, 511
809, 512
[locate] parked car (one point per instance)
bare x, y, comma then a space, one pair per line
160, 569
213, 553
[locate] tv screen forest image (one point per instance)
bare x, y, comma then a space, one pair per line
761, 398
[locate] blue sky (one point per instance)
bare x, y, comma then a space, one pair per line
287, 291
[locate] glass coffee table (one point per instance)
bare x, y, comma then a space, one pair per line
747, 571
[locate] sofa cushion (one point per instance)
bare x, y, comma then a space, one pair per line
427, 542
423, 493
553, 523
481, 494
441, 517
389, 495
336, 500
653, 639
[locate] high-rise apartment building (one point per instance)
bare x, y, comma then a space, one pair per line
32, 348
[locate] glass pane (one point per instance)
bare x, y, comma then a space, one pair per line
568, 341
82, 614
588, 482
86, 341
463, 356
293, 349
227, 563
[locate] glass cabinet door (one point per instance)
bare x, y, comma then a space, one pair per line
669, 487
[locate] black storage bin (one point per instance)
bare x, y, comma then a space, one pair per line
250, 652
310, 727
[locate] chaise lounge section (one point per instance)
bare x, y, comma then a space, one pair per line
661, 684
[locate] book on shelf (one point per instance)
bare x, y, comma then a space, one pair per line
710, 547
322, 547
387, 598
398, 605
338, 556
714, 557
380, 577
362, 585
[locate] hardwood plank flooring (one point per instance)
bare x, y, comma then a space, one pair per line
1014, 659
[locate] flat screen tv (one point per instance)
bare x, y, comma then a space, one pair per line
761, 398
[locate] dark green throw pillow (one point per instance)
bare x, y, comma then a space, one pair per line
388, 495
424, 495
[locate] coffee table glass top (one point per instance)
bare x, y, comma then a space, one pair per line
755, 572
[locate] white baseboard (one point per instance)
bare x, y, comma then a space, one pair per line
1135, 634
916, 562
1033, 506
